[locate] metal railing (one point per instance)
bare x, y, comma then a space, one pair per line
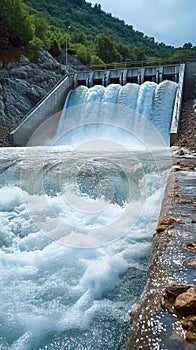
44, 97
138, 64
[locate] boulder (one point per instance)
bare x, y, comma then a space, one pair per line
189, 324
191, 246
180, 299
167, 222
23, 61
185, 303
174, 290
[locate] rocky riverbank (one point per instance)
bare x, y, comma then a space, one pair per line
165, 317
163, 320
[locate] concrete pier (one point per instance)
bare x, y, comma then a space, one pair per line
189, 80
177, 106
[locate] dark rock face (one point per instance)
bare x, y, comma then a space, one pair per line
19, 97
23, 84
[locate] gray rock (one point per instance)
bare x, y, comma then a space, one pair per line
1, 91
24, 60
49, 66
11, 65
3, 118
20, 73
23, 84
20, 97
2, 106
44, 56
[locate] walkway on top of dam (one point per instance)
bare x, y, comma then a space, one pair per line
122, 76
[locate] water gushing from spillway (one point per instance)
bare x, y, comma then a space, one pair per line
76, 223
148, 105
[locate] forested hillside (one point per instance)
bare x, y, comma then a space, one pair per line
96, 33
93, 36
22, 26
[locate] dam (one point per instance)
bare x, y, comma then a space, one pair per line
52, 104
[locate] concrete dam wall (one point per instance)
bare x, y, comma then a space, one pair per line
53, 103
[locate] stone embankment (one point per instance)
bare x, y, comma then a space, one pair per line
165, 316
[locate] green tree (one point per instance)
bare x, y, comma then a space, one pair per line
41, 29
4, 35
83, 54
125, 51
106, 49
97, 7
79, 37
139, 53
180, 54
18, 19
187, 46
95, 60
79, 2
55, 48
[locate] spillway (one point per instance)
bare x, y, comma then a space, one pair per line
135, 108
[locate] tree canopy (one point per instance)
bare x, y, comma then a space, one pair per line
22, 25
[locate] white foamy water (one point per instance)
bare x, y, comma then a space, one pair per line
72, 260
76, 221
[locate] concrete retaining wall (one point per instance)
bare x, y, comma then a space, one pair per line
50, 105
177, 106
189, 80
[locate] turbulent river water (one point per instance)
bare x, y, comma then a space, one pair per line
76, 225
75, 242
